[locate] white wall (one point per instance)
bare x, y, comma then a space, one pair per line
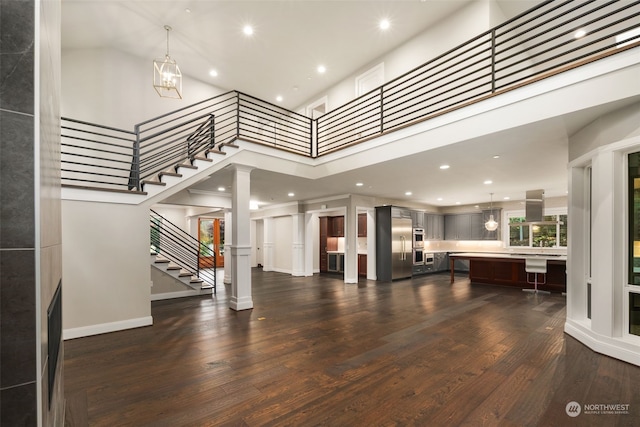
283, 249
105, 266
112, 88
468, 23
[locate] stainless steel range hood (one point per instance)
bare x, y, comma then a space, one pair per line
534, 209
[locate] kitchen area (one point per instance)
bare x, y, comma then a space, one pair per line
409, 243
332, 244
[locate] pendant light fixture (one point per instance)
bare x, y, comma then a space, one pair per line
491, 225
167, 78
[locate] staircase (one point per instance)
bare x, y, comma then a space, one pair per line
177, 253
175, 174
180, 274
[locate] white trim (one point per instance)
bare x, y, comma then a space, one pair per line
181, 294
601, 344
103, 328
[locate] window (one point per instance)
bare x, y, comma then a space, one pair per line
537, 236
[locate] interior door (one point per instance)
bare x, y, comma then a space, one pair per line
211, 238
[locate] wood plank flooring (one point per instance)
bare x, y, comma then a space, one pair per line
314, 351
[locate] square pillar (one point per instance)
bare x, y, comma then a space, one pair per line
241, 240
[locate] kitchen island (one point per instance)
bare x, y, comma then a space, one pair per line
507, 269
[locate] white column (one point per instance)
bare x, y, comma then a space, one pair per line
311, 239
268, 244
241, 238
579, 229
351, 245
298, 254
606, 288
228, 242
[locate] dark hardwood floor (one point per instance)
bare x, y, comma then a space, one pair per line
315, 351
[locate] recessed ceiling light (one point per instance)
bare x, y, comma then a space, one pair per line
291, 194
487, 182
187, 10
408, 193
279, 98
496, 156
359, 184
220, 188
321, 69
580, 33
384, 24
507, 198
247, 30
477, 206
458, 203
443, 167
213, 73
439, 199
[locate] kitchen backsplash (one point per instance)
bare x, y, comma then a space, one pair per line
483, 246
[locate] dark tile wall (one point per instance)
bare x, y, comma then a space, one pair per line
21, 221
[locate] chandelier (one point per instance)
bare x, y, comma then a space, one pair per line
492, 224
167, 78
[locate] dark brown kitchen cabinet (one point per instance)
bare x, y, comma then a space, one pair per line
362, 225
362, 265
336, 226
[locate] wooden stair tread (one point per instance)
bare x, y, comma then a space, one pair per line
184, 165
174, 267
145, 182
184, 274
215, 151
161, 261
205, 159
177, 175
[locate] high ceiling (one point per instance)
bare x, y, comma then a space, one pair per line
291, 38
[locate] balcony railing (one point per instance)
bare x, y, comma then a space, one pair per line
551, 38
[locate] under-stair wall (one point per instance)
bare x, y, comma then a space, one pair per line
105, 266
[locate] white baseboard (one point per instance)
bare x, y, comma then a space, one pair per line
181, 294
605, 345
103, 328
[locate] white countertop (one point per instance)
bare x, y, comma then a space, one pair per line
510, 255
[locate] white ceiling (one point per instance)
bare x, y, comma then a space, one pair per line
291, 39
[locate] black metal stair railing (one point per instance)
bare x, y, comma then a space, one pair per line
536, 44
108, 158
179, 247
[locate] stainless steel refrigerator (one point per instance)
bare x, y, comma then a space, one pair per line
394, 243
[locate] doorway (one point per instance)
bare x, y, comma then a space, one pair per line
211, 238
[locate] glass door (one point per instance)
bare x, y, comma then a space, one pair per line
211, 238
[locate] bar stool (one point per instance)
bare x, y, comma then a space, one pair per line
536, 267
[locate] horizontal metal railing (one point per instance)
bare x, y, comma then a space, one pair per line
120, 159
538, 43
95, 155
533, 45
182, 249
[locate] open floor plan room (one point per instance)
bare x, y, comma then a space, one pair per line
315, 351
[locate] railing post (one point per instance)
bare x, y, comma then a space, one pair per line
134, 175
212, 131
493, 60
237, 114
313, 137
381, 110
